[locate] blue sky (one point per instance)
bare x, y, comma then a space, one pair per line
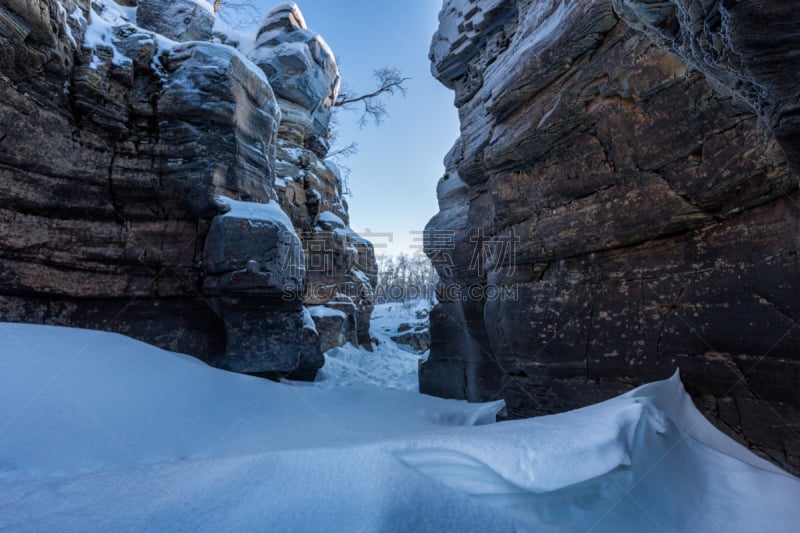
394, 174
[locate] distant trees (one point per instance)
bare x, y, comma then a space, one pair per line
405, 277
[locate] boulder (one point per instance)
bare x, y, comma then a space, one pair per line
336, 326
419, 341
179, 20
253, 249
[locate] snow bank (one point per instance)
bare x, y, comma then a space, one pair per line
99, 432
330, 218
75, 401
270, 212
322, 311
389, 365
100, 34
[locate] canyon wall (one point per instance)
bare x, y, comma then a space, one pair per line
144, 172
622, 202
340, 265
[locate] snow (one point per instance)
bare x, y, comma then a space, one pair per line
354, 237
99, 432
104, 17
271, 212
388, 366
67, 30
333, 167
127, 12
286, 48
322, 311
100, 33
107, 16
288, 6
294, 152
205, 4
388, 317
308, 321
331, 218
361, 276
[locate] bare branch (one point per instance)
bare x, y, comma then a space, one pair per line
390, 82
347, 151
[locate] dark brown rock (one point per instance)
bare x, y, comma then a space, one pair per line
336, 325
613, 211
140, 191
419, 341
745, 48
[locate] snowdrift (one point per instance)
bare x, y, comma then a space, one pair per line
99, 432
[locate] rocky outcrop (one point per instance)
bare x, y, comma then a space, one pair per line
417, 338
139, 186
302, 70
744, 48
617, 206
179, 20
341, 269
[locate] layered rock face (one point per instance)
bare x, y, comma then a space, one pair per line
138, 177
744, 48
621, 204
341, 269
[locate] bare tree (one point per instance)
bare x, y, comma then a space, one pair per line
340, 152
390, 81
404, 278
372, 106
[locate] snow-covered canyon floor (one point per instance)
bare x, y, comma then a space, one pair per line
99, 432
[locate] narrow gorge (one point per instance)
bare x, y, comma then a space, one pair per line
622, 201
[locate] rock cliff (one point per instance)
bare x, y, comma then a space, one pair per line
623, 200
340, 269
140, 175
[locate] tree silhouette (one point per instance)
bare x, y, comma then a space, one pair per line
390, 81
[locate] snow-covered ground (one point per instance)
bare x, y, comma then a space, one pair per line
387, 318
389, 365
99, 432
